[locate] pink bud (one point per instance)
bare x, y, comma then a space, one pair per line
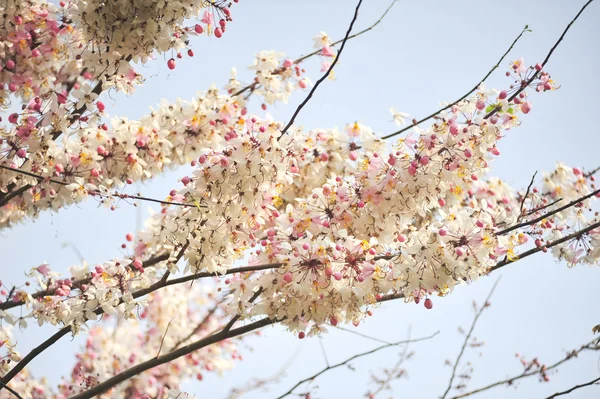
454, 130
202, 158
171, 63
185, 180
301, 335
442, 232
361, 204
198, 29
10, 64
287, 277
287, 63
94, 172
129, 181
424, 160
305, 246
224, 161
337, 276
401, 238
503, 94
333, 321
459, 251
468, 153
13, 118
21, 153
59, 168
495, 151
129, 237
442, 202
493, 119
412, 170
480, 105
538, 67
190, 53
324, 157
302, 83
479, 224
428, 303
35, 53
353, 155
218, 33
137, 263
101, 106
526, 107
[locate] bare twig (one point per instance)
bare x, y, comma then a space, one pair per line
468, 336
162, 341
570, 355
525, 196
326, 369
314, 88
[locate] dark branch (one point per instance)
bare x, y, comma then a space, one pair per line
314, 88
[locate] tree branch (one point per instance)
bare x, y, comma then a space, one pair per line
326, 369
596, 381
314, 88
468, 336
570, 355
544, 216
299, 60
525, 29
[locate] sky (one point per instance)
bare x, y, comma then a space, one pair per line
423, 52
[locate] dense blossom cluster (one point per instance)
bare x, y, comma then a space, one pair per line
329, 222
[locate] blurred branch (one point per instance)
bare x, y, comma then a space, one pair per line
596, 381
570, 355
326, 369
468, 336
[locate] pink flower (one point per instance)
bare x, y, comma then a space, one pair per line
43, 269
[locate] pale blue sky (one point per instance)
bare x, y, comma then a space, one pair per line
424, 52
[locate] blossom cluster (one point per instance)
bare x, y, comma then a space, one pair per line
171, 320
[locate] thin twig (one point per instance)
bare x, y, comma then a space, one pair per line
525, 196
596, 381
314, 88
162, 341
326, 369
278, 71
549, 245
548, 214
91, 192
570, 355
525, 29
468, 336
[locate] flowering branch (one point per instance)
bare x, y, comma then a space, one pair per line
252, 86
550, 213
532, 251
432, 115
5, 200
525, 84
